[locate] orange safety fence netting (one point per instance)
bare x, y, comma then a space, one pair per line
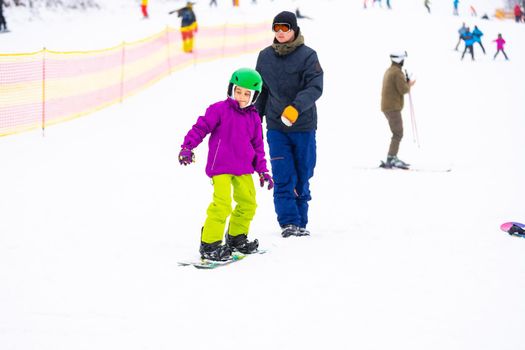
46, 87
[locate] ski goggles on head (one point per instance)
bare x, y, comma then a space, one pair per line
283, 27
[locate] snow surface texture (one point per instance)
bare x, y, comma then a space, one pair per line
96, 214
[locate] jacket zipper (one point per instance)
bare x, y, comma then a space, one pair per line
216, 152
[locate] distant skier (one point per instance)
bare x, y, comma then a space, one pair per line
468, 38
144, 8
456, 4
395, 86
518, 13
3, 25
188, 26
461, 31
500, 43
477, 34
427, 5
236, 151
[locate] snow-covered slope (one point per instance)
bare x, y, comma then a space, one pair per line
96, 214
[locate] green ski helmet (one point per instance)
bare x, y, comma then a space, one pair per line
246, 78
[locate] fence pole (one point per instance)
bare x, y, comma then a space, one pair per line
43, 121
122, 63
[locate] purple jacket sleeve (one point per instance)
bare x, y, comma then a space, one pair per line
259, 162
204, 125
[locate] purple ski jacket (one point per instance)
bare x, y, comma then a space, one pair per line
236, 145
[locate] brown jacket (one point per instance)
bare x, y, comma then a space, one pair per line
394, 87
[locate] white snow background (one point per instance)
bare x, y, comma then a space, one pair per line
95, 215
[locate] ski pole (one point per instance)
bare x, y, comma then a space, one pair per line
412, 115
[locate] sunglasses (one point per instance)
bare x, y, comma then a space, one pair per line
283, 27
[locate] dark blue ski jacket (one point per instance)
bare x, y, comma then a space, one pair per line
296, 79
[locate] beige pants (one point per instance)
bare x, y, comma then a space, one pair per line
396, 126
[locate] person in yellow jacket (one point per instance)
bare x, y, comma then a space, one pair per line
144, 8
188, 26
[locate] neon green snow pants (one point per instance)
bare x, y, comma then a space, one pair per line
221, 207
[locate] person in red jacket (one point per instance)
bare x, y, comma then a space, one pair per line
518, 13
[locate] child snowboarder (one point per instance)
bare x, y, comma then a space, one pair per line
236, 150
500, 42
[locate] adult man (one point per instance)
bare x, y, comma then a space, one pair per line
293, 81
395, 86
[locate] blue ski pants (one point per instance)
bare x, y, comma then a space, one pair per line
293, 158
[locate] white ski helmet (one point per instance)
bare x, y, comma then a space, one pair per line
398, 56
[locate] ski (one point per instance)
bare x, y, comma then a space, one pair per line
514, 229
408, 169
213, 264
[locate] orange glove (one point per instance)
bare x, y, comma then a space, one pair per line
289, 115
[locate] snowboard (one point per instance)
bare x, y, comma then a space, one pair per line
206, 264
514, 228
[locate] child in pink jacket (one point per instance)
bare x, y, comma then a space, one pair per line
500, 42
235, 152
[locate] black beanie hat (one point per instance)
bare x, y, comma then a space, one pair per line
287, 17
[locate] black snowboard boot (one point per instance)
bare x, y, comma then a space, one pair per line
215, 251
241, 244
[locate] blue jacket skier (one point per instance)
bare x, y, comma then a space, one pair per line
469, 43
477, 34
293, 81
